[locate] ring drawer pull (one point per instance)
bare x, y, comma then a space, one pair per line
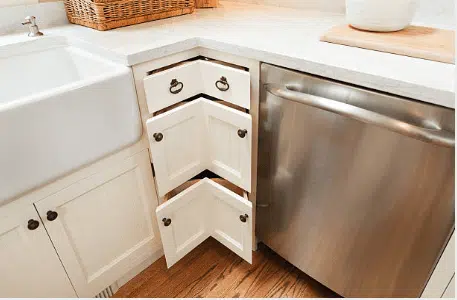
242, 133
33, 224
51, 215
222, 84
243, 218
176, 86
158, 136
166, 222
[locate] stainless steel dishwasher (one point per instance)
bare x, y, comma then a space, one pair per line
355, 187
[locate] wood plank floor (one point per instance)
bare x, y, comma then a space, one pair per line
211, 270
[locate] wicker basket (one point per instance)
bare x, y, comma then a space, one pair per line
109, 14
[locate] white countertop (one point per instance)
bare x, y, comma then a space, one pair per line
281, 36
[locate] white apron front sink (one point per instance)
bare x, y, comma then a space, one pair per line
60, 108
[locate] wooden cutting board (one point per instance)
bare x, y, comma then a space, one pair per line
416, 41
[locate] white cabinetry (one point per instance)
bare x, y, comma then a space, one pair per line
101, 226
79, 235
441, 282
188, 79
29, 265
203, 210
197, 118
200, 135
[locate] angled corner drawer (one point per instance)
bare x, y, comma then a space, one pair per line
205, 209
197, 136
188, 79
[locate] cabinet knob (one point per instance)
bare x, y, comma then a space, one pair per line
157, 136
33, 224
176, 86
51, 215
243, 218
222, 84
166, 222
242, 133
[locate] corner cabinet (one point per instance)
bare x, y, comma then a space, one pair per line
29, 265
199, 115
82, 238
205, 209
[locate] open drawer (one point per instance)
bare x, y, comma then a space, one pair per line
189, 79
205, 209
200, 135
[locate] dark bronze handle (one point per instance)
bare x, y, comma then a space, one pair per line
33, 224
157, 136
225, 85
242, 133
51, 215
244, 218
176, 86
166, 222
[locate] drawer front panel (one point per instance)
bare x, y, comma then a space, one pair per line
159, 90
229, 149
181, 153
197, 136
205, 209
234, 89
189, 79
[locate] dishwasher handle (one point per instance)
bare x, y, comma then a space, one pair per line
438, 137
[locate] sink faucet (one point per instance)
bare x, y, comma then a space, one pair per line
33, 27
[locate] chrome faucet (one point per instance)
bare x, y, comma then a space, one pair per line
33, 27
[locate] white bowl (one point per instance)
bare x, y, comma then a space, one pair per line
380, 15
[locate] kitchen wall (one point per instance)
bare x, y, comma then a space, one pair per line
326, 5
48, 12
430, 12
438, 13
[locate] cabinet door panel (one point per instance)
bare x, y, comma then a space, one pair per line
230, 154
29, 263
181, 153
226, 222
104, 225
188, 227
205, 209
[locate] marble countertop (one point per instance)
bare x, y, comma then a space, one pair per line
281, 36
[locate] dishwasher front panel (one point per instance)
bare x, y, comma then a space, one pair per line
364, 210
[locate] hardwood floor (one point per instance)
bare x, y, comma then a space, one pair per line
211, 270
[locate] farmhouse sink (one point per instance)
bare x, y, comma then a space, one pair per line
60, 108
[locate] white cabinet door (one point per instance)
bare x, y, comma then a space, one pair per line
177, 142
104, 224
229, 142
29, 265
205, 209
450, 290
443, 272
197, 136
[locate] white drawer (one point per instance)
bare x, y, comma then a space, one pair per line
197, 136
171, 86
205, 209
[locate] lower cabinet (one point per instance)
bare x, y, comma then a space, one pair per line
102, 226
80, 240
29, 265
205, 209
